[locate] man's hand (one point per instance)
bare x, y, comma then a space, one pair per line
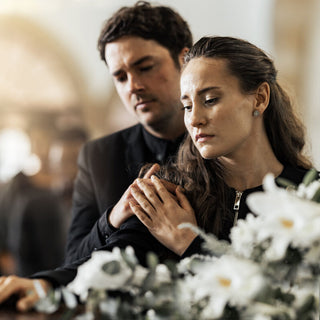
122, 210
24, 288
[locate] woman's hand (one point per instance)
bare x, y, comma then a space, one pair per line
161, 213
23, 287
122, 210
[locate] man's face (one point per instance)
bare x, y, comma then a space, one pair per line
146, 79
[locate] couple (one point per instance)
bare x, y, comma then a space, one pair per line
240, 125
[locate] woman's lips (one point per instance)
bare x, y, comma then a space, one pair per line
203, 137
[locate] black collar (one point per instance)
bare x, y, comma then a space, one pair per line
161, 148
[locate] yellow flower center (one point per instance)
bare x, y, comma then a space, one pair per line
287, 223
224, 282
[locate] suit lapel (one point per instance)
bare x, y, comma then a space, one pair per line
135, 153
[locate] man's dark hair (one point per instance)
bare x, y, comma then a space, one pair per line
159, 23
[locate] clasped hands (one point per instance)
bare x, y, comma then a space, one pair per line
161, 206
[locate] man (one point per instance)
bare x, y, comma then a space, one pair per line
143, 47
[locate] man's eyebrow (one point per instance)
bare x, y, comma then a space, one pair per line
202, 91
134, 64
141, 60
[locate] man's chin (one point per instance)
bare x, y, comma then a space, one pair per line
147, 119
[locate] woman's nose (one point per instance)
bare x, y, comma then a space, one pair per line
196, 117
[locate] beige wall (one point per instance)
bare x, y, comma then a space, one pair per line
297, 54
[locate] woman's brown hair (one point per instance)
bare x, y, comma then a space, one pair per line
203, 179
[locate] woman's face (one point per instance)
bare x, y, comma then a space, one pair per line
218, 116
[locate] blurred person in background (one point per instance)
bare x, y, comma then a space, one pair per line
63, 154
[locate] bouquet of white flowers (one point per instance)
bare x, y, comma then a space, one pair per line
270, 270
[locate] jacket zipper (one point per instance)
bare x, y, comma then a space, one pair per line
236, 206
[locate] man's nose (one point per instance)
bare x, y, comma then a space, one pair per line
135, 84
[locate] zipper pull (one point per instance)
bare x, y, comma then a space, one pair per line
236, 206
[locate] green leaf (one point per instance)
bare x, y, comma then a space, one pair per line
131, 261
152, 260
316, 196
310, 176
148, 281
112, 267
172, 266
285, 183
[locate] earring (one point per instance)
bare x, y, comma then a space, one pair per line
256, 113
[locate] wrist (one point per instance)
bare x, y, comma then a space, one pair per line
42, 287
112, 220
187, 236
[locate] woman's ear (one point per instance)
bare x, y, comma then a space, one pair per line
262, 97
182, 54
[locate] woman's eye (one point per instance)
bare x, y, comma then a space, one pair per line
211, 101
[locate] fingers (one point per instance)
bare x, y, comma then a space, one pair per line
155, 168
183, 200
24, 287
156, 191
145, 197
142, 216
27, 302
161, 190
7, 287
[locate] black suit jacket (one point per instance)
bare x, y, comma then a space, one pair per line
107, 166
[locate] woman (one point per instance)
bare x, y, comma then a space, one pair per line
241, 126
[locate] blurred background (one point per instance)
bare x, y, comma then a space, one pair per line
52, 78
56, 93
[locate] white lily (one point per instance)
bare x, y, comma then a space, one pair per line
90, 274
287, 219
223, 280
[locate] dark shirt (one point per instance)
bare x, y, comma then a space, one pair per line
107, 166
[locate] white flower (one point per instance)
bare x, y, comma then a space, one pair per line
309, 191
184, 295
244, 235
269, 184
226, 280
193, 263
139, 275
312, 257
287, 219
90, 274
162, 275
